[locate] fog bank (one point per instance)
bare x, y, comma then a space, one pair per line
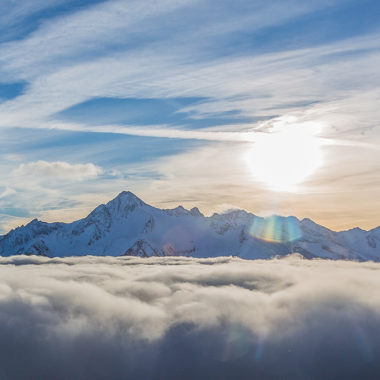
185, 318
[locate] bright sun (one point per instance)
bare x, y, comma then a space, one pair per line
284, 159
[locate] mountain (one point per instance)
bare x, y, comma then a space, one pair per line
128, 226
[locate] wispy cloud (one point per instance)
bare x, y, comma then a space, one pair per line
256, 86
6, 192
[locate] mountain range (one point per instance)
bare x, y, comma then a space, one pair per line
128, 226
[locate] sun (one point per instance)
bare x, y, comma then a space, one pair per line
283, 159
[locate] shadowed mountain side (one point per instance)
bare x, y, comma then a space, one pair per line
128, 226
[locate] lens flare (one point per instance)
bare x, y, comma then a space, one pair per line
276, 229
238, 343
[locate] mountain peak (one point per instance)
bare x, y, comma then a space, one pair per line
124, 203
195, 212
128, 195
33, 222
178, 211
127, 198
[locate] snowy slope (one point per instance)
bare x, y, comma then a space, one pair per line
128, 226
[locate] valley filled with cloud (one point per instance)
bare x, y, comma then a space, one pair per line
181, 318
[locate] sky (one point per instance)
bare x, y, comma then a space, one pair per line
271, 106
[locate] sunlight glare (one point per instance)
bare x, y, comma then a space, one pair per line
284, 158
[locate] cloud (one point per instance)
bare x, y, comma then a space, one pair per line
59, 169
206, 134
257, 84
6, 192
102, 317
322, 74
12, 14
93, 29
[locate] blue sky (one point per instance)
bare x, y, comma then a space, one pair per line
169, 99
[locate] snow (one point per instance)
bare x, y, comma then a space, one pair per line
128, 226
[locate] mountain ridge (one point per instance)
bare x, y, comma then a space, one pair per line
126, 225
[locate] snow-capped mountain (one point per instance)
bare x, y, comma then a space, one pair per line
128, 226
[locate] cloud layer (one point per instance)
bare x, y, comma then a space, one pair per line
188, 318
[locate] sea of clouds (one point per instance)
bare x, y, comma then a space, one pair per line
185, 318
